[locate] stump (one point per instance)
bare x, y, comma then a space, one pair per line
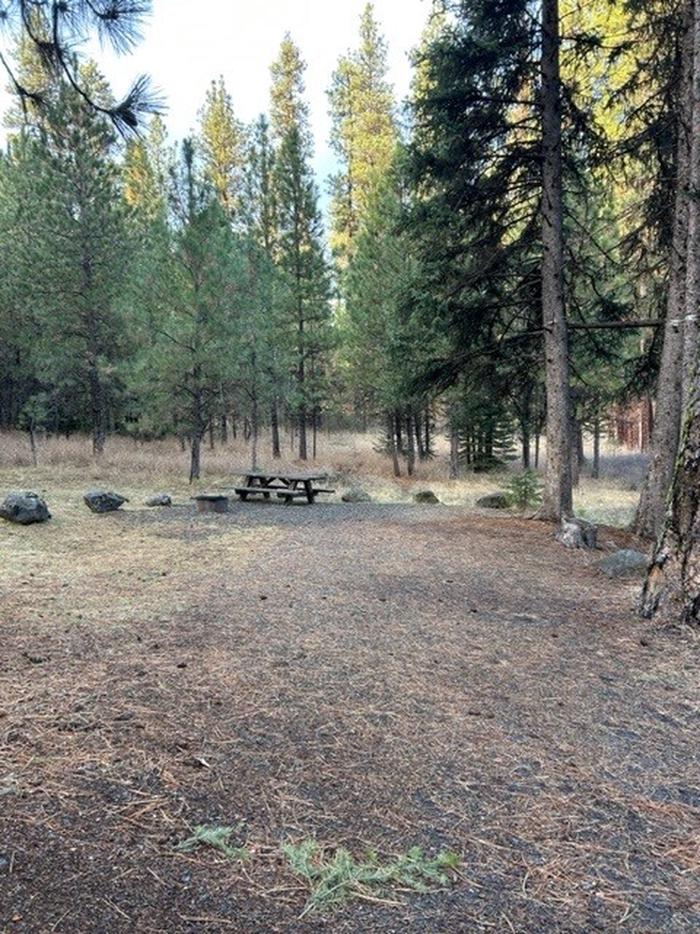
211, 502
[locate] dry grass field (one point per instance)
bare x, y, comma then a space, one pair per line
372, 677
65, 466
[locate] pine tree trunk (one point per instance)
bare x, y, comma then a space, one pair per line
691, 325
672, 588
398, 431
525, 442
391, 429
428, 433
411, 449
97, 408
537, 451
649, 519
212, 443
195, 456
254, 430
275, 426
303, 454
595, 470
454, 450
557, 500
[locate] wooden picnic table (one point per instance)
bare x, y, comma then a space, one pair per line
284, 485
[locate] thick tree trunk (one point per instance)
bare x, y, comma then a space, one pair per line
672, 588
275, 427
557, 500
691, 325
649, 519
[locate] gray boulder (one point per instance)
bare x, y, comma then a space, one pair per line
24, 508
497, 500
158, 499
104, 500
577, 533
624, 563
356, 495
425, 496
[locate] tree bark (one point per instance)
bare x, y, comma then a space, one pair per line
195, 456
672, 588
391, 428
649, 519
595, 469
275, 426
691, 324
557, 500
411, 445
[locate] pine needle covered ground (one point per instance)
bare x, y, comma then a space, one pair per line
368, 687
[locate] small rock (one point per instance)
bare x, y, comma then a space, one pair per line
24, 508
158, 499
356, 495
497, 500
104, 500
577, 533
425, 496
624, 563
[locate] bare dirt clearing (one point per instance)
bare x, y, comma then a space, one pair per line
373, 676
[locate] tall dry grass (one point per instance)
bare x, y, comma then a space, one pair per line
350, 458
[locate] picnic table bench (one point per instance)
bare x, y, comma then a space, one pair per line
286, 486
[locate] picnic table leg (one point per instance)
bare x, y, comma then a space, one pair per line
308, 486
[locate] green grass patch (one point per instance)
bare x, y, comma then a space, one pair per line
217, 837
336, 876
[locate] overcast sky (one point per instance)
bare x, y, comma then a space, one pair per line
186, 45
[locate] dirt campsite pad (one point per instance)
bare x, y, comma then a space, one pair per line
369, 677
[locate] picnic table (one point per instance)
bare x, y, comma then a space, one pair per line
286, 486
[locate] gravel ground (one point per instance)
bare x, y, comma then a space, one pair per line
369, 676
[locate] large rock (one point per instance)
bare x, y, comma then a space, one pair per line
577, 533
497, 500
356, 495
425, 496
624, 563
104, 500
159, 499
24, 508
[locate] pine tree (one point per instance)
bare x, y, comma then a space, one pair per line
52, 29
195, 310
364, 133
223, 147
75, 233
299, 239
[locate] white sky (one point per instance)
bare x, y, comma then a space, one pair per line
187, 43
